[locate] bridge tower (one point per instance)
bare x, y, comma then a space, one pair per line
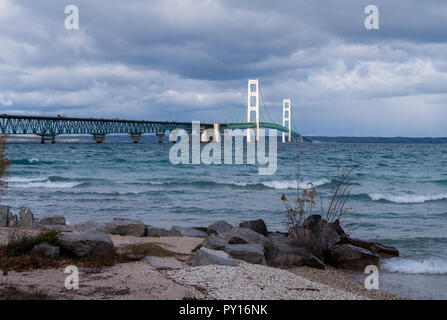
286, 117
253, 105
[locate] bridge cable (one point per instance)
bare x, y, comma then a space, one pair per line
265, 107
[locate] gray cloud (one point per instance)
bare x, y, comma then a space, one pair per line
190, 59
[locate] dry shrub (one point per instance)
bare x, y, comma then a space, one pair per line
305, 204
17, 255
19, 245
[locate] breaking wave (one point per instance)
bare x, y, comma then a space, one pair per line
31, 161
280, 185
48, 184
407, 198
427, 266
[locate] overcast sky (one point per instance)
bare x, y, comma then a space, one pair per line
191, 59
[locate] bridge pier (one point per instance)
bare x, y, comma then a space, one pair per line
216, 133
207, 136
210, 135
286, 120
47, 138
135, 138
253, 105
160, 137
99, 138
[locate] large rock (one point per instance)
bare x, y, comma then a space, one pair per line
13, 221
255, 225
189, 232
377, 248
281, 254
347, 256
239, 235
318, 236
87, 244
126, 227
90, 226
55, 227
55, 220
250, 252
215, 243
5, 216
47, 250
219, 228
26, 218
205, 256
324, 239
160, 232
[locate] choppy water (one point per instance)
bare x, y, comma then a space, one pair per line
399, 197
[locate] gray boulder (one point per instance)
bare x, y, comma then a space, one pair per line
281, 254
318, 236
347, 256
126, 227
47, 250
87, 244
90, 227
189, 232
255, 225
13, 221
160, 232
204, 257
26, 218
219, 228
377, 248
54, 220
214, 243
5, 216
239, 235
250, 252
55, 227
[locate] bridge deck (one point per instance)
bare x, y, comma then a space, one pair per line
53, 126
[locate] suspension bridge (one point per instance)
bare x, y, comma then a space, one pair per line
50, 127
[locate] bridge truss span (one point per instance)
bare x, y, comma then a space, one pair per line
53, 126
50, 127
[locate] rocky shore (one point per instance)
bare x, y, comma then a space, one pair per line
219, 261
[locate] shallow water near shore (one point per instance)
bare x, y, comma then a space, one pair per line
399, 195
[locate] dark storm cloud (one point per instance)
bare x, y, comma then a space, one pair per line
190, 59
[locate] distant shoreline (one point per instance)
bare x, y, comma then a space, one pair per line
426, 140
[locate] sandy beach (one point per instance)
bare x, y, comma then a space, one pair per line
163, 278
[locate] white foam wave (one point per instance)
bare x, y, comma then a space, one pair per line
408, 266
292, 184
48, 184
33, 160
23, 180
408, 198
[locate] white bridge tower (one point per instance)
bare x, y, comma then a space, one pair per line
286, 118
253, 105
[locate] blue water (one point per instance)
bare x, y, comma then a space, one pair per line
399, 196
